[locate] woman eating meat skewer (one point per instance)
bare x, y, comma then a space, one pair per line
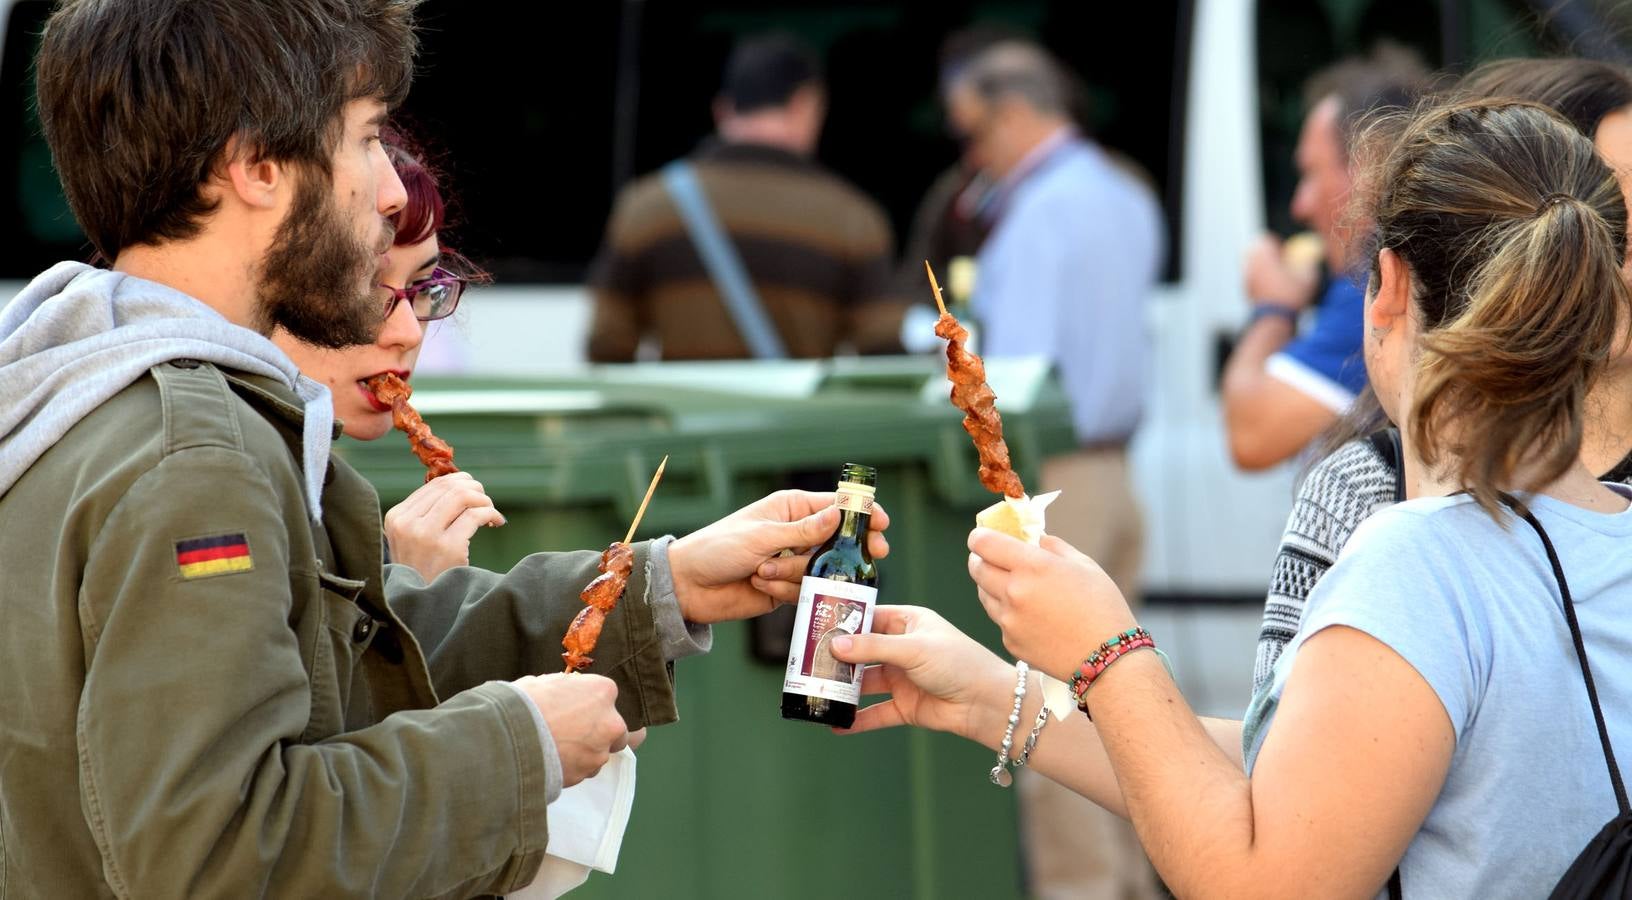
422, 282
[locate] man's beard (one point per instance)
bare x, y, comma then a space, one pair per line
315, 280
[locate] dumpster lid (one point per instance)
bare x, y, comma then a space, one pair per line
1020, 379
779, 378
475, 401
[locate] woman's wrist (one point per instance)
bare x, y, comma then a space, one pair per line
991, 695
1131, 669
1084, 642
989, 716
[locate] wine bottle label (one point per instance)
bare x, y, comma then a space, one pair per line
855, 497
827, 609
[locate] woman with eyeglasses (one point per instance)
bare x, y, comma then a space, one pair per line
422, 282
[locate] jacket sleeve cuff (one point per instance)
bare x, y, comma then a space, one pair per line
678, 637
553, 778
532, 749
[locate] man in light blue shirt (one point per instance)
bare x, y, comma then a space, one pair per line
1072, 259
1076, 247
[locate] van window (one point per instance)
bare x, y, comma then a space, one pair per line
539, 112
598, 93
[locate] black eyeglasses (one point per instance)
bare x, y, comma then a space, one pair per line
431, 298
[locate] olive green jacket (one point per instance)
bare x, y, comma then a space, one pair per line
205, 694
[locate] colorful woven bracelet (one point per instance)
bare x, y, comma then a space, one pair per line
1119, 641
1101, 659
1099, 669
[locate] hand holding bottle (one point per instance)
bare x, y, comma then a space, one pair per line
934, 676
727, 571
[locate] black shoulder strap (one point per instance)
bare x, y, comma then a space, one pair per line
1395, 891
1387, 444
1580, 652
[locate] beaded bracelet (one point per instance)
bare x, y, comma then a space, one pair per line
1000, 773
1109, 652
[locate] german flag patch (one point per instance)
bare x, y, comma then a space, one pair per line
215, 555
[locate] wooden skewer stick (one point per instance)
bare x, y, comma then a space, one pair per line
936, 287
656, 477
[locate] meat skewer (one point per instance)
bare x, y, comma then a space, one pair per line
432, 451
601, 595
1016, 515
974, 396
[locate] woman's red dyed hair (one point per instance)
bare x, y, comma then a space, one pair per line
425, 213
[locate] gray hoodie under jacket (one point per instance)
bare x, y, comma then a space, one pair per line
78, 335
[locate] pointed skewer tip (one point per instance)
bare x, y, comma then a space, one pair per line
656, 477
935, 286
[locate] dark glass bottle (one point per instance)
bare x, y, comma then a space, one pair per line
836, 598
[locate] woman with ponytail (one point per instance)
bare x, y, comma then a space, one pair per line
1359, 471
1431, 717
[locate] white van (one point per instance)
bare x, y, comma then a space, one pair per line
544, 110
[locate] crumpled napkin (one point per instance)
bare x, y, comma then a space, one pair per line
1021, 517
586, 829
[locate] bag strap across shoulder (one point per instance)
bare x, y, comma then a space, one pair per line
1387, 444
1580, 653
723, 262
1395, 891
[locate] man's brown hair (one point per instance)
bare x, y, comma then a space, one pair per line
139, 98
1390, 77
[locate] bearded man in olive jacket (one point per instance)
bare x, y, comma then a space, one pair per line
209, 686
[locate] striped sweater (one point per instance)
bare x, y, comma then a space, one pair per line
819, 253
1339, 493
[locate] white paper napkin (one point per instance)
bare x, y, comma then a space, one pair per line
586, 829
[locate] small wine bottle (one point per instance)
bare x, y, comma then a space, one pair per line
836, 598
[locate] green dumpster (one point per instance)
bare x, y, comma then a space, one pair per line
733, 801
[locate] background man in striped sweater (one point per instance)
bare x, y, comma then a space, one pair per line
816, 252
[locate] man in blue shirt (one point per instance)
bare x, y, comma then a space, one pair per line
1074, 252
1283, 386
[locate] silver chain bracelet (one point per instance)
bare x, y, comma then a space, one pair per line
1031, 739
1000, 775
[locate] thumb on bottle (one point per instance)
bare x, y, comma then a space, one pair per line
807, 532
872, 649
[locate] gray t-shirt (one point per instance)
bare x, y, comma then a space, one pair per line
1475, 609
